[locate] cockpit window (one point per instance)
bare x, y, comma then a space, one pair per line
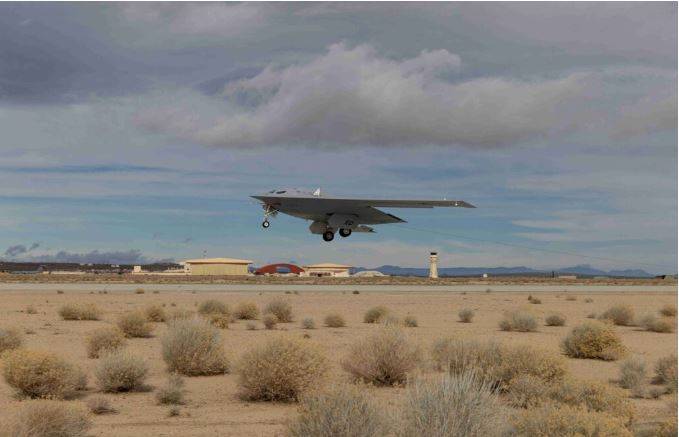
280, 192
272, 191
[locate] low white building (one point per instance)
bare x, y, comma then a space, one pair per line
327, 269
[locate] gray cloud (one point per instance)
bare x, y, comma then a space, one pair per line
132, 256
647, 116
20, 249
353, 96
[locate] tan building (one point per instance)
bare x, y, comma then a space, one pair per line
217, 266
326, 269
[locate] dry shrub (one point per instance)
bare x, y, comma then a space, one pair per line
343, 411
173, 392
656, 324
466, 315
520, 321
10, 338
30, 309
219, 320
593, 340
99, 405
595, 396
270, 321
527, 391
39, 374
622, 315
155, 313
555, 320
391, 320
281, 309
386, 357
666, 372
179, 314
280, 370
251, 326
334, 321
80, 312
534, 300
589, 300
308, 323
571, 298
633, 375
375, 314
591, 316
669, 310
193, 347
121, 371
410, 322
500, 364
104, 339
134, 324
247, 311
49, 418
565, 420
212, 306
139, 291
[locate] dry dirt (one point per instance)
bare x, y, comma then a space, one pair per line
213, 407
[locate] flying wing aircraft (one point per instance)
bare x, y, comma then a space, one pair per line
338, 214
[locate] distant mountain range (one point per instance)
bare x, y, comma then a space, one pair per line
583, 269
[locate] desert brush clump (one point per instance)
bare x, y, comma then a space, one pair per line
342, 411
633, 375
10, 338
375, 314
668, 310
30, 309
99, 405
520, 321
499, 364
555, 320
193, 347
178, 314
104, 339
135, 324
247, 311
593, 340
527, 391
622, 315
280, 370
38, 374
334, 320
666, 372
410, 321
50, 418
80, 312
173, 391
120, 370
466, 315
386, 357
565, 420
281, 309
155, 313
658, 324
595, 396
213, 306
270, 321
219, 320
534, 300
308, 323
571, 298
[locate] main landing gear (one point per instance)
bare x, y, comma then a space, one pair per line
344, 232
268, 211
328, 235
266, 224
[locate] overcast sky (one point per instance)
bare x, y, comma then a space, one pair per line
134, 132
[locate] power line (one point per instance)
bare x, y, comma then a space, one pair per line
560, 252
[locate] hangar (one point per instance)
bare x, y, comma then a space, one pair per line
217, 266
327, 269
280, 268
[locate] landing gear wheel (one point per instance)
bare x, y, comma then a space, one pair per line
328, 235
344, 232
266, 224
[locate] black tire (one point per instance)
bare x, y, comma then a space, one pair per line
266, 224
344, 232
328, 235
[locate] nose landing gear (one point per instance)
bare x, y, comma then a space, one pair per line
266, 224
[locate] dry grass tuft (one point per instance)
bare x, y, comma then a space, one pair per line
466, 315
247, 311
80, 312
270, 321
49, 418
666, 372
520, 321
38, 374
343, 411
534, 300
622, 315
155, 313
571, 298
334, 321
100, 405
219, 320
104, 339
595, 396
121, 371
593, 340
193, 347
308, 323
410, 322
633, 376
565, 420
589, 300
375, 314
656, 324
460, 405
280, 370
527, 391
555, 320
135, 324
10, 338
139, 291
30, 309
179, 314
213, 306
173, 392
281, 309
251, 326
386, 357
669, 311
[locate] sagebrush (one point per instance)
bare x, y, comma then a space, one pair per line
193, 347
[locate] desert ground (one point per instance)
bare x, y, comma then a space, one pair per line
212, 404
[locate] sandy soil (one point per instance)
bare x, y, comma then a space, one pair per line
214, 409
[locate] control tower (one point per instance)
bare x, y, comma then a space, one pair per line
433, 265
